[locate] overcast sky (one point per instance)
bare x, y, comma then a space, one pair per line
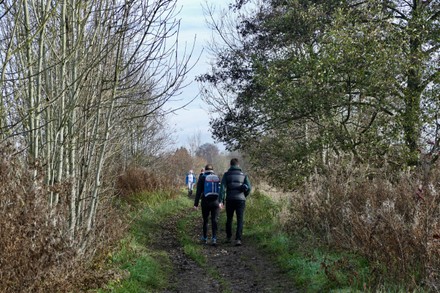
194, 118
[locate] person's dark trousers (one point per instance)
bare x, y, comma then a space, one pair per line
210, 208
238, 207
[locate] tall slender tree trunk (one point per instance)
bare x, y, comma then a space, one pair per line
106, 133
411, 116
31, 97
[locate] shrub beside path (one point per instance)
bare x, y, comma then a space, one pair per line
227, 268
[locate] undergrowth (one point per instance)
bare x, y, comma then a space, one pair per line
38, 251
391, 219
313, 266
365, 235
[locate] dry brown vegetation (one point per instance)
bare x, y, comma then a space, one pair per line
136, 179
29, 239
392, 220
36, 254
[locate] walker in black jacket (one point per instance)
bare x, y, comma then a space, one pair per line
237, 187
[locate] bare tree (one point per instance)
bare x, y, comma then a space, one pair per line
208, 151
81, 83
195, 141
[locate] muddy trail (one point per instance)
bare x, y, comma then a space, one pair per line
228, 268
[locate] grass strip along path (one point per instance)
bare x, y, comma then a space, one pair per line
163, 253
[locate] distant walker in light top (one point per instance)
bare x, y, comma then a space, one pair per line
190, 180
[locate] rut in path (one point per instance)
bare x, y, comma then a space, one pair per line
229, 268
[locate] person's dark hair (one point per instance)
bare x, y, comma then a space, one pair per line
234, 162
209, 167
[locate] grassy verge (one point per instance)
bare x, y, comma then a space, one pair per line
313, 267
192, 249
144, 270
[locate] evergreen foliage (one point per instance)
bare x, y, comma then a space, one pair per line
299, 84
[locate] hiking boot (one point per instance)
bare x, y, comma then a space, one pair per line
228, 240
238, 243
214, 242
204, 240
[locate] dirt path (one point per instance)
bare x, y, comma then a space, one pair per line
229, 268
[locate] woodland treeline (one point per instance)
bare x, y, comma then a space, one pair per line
327, 79
83, 84
337, 103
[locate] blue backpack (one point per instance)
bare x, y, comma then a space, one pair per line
212, 186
